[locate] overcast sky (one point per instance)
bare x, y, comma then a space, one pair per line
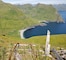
36, 1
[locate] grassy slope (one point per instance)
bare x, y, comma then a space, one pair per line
56, 40
13, 19
40, 11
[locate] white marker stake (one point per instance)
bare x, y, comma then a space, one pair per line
47, 47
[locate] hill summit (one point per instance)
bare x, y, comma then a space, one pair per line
40, 11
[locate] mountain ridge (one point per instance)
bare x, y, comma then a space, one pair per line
60, 7
40, 11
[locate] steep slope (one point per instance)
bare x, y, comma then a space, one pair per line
40, 11
12, 19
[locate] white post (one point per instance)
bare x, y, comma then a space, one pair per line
47, 47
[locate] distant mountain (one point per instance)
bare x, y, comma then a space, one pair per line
12, 19
40, 11
60, 6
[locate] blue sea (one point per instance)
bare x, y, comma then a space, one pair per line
54, 27
63, 15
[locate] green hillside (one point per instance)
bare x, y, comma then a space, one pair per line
40, 11
12, 19
55, 40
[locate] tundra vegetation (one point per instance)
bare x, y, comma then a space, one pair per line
13, 19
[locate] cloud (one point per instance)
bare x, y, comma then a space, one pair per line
36, 1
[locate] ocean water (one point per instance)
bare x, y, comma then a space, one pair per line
63, 15
54, 27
